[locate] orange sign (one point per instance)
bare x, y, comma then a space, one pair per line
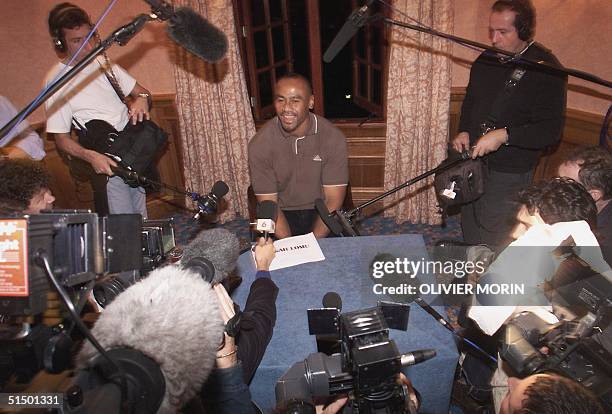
14, 257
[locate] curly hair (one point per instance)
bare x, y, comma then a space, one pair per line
20, 181
595, 168
558, 200
525, 18
555, 394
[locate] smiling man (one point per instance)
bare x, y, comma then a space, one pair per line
509, 124
297, 157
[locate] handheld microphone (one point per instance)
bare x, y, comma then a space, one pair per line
267, 213
208, 204
191, 31
354, 22
172, 320
212, 254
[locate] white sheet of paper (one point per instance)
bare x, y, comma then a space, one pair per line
295, 250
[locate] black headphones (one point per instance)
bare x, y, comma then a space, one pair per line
524, 27
59, 13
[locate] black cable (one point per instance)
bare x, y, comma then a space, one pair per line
43, 260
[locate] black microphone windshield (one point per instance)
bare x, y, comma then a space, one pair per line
267, 210
198, 35
218, 246
332, 300
330, 221
219, 189
354, 22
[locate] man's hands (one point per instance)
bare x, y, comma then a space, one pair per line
332, 408
489, 142
139, 109
100, 163
412, 403
264, 253
461, 142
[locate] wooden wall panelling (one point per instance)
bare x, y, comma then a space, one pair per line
366, 148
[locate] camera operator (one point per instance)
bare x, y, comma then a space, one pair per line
226, 390
548, 394
592, 167
550, 212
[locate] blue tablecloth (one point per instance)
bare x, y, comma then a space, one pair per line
345, 270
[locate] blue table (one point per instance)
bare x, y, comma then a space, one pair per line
345, 270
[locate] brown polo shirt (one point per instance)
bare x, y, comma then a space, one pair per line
296, 168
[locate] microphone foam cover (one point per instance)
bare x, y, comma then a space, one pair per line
219, 246
332, 300
173, 317
198, 35
219, 189
267, 210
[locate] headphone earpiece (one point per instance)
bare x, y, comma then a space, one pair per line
59, 45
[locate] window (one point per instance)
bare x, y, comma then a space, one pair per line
278, 36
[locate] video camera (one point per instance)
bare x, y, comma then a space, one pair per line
581, 346
367, 366
85, 253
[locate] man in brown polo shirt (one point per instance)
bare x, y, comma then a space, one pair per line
297, 157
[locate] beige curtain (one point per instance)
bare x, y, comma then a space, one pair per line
417, 108
214, 114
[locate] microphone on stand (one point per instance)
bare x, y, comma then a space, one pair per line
267, 213
354, 22
329, 343
208, 204
329, 219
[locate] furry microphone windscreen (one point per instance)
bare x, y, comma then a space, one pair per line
196, 34
219, 246
173, 317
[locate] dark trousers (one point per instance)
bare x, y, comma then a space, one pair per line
300, 221
490, 219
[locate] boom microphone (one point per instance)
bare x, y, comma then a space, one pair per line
197, 35
354, 22
170, 320
192, 31
212, 254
